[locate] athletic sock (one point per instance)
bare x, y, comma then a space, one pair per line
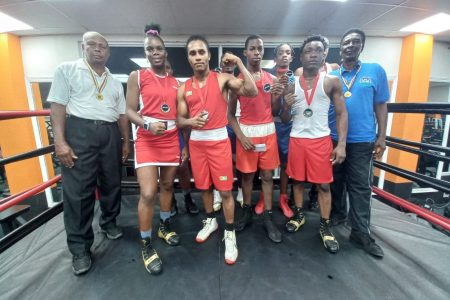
146, 234
164, 215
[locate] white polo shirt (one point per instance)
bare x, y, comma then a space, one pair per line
74, 88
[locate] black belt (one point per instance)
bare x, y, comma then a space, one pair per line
96, 122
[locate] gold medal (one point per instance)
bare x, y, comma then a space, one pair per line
347, 84
98, 87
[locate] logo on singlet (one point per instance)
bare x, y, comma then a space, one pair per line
366, 80
188, 93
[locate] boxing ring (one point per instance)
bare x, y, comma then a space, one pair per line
36, 264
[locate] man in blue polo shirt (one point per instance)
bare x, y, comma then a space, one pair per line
366, 93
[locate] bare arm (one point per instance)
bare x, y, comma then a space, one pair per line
338, 155
298, 72
63, 150
245, 87
133, 100
245, 141
334, 66
156, 128
380, 143
125, 132
183, 120
286, 115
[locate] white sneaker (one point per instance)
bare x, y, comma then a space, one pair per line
240, 197
217, 202
231, 250
209, 226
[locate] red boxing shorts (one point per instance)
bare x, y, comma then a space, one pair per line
250, 161
212, 164
156, 150
309, 160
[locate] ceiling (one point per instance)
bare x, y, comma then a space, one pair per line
226, 17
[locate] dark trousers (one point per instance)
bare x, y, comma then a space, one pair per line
98, 147
355, 177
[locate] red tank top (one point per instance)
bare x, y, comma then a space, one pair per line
214, 102
157, 94
257, 110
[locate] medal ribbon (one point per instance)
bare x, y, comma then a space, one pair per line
204, 97
309, 98
156, 78
102, 85
352, 81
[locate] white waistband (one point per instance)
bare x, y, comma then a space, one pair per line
217, 134
170, 123
259, 130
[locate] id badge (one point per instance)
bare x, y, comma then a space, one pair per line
260, 148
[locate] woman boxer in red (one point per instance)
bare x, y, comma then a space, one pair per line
151, 107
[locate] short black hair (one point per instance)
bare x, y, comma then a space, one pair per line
275, 51
153, 31
358, 31
197, 37
252, 37
313, 38
225, 52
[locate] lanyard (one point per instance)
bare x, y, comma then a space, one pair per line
156, 78
309, 98
204, 97
352, 81
98, 87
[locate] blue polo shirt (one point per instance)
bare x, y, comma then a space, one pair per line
370, 88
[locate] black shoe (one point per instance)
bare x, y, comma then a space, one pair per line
313, 203
81, 264
174, 207
112, 231
366, 242
245, 219
189, 204
152, 262
297, 221
329, 241
164, 232
335, 221
272, 231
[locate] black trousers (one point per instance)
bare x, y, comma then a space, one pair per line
354, 177
98, 147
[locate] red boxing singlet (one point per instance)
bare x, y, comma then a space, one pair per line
214, 102
257, 110
157, 94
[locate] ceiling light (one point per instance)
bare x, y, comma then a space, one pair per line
141, 62
430, 25
267, 64
319, 0
8, 24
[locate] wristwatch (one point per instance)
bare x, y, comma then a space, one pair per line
147, 125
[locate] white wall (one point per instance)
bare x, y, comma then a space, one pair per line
42, 54
440, 66
438, 93
384, 51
